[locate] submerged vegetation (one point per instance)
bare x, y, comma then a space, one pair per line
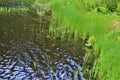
94, 21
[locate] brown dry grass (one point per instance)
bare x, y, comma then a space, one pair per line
114, 26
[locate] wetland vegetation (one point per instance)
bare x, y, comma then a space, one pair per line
59, 39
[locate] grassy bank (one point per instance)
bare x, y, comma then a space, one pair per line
105, 41
76, 18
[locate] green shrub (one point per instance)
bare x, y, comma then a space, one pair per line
111, 5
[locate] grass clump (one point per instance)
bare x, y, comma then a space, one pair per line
108, 61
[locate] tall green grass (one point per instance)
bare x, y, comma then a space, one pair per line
88, 23
107, 65
81, 22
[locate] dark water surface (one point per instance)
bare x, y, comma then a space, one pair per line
26, 55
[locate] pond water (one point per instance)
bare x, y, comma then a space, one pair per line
27, 55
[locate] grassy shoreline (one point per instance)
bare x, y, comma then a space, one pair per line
102, 39
71, 21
